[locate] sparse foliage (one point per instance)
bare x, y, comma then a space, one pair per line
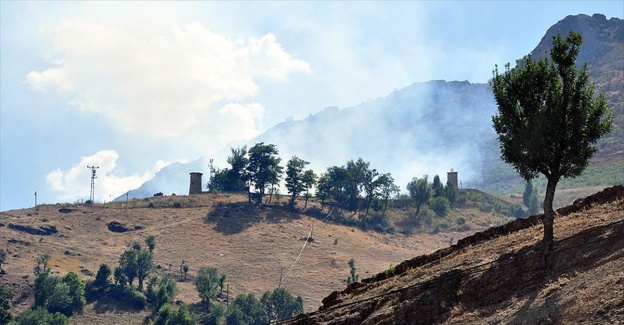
295, 178
150, 241
184, 268
207, 282
3, 257
354, 277
419, 191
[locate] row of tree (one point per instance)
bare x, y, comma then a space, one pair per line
353, 186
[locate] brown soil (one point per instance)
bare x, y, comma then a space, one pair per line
500, 276
253, 245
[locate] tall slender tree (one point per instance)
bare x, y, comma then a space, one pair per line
295, 178
549, 118
420, 191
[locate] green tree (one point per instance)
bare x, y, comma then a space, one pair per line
295, 178
150, 241
3, 257
128, 264
184, 268
332, 184
263, 168
42, 263
436, 186
40, 316
5, 306
166, 315
165, 292
280, 304
528, 192
548, 118
246, 309
309, 180
100, 286
450, 192
60, 294
386, 188
439, 205
144, 266
534, 206
232, 179
354, 277
419, 191
370, 186
222, 279
355, 182
207, 283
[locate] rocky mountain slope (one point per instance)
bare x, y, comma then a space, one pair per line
500, 276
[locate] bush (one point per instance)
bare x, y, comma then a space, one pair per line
461, 220
439, 205
215, 316
5, 307
40, 316
130, 295
60, 294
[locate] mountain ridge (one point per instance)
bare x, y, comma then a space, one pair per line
427, 127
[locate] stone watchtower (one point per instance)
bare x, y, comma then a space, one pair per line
196, 183
452, 177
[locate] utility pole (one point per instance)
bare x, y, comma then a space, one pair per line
36, 207
93, 177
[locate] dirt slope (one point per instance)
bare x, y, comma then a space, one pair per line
251, 244
499, 277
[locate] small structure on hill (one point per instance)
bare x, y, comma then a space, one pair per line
452, 177
195, 186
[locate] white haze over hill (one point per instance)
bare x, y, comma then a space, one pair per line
135, 86
427, 128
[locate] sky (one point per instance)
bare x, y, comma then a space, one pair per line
134, 86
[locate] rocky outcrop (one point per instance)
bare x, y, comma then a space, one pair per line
43, 230
116, 226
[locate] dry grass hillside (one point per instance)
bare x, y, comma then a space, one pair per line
500, 276
253, 245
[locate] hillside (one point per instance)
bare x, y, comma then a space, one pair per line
251, 244
500, 276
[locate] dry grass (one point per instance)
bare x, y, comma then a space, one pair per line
254, 246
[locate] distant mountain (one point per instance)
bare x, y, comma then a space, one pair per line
425, 128
603, 50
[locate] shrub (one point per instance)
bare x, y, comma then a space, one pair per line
41, 316
439, 205
60, 294
461, 220
5, 307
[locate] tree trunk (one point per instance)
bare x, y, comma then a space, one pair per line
549, 214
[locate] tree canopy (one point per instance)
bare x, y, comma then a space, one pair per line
548, 118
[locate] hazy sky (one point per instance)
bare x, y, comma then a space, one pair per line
133, 86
